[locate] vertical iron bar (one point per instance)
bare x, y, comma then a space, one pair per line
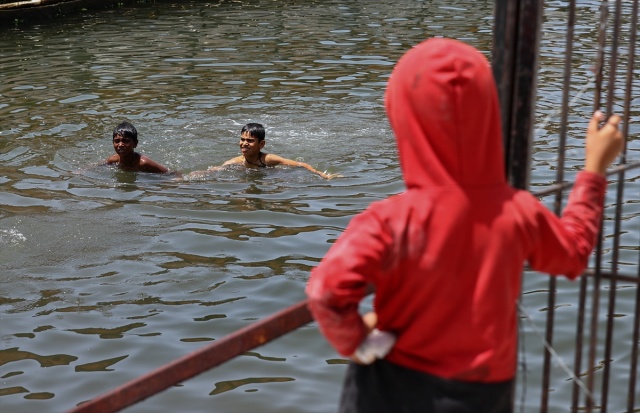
582, 301
613, 282
503, 62
503, 67
546, 370
551, 297
524, 91
593, 329
602, 32
629, 79
558, 197
564, 115
633, 374
613, 60
515, 65
515, 52
625, 132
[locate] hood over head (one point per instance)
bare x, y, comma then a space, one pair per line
442, 103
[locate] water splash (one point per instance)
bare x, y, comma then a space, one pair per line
11, 237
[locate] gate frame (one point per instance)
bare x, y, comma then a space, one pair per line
515, 50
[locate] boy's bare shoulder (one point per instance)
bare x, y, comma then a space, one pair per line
147, 164
112, 159
234, 161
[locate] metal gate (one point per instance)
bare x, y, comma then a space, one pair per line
515, 62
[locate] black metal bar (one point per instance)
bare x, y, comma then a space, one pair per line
524, 92
633, 374
606, 373
625, 132
546, 365
602, 34
503, 63
593, 327
633, 279
582, 299
515, 64
564, 115
515, 58
629, 78
557, 204
566, 185
613, 60
589, 272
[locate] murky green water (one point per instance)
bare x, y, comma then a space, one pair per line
106, 275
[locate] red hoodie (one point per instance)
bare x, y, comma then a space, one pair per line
446, 256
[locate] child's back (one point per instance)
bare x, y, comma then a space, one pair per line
446, 256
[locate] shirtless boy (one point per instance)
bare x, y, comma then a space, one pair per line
251, 143
125, 140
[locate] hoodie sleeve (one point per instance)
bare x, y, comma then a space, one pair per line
339, 282
563, 245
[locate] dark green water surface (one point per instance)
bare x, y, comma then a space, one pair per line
106, 275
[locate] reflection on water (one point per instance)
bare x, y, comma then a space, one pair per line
222, 387
108, 274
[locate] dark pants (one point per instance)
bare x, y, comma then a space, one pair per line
383, 387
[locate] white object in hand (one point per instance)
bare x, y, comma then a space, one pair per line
375, 346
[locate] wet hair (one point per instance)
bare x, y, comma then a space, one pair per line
126, 130
254, 129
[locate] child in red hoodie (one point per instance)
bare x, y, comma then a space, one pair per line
446, 256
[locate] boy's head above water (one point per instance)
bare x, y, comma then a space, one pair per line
126, 130
255, 130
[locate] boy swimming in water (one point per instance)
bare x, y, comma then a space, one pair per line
251, 143
125, 140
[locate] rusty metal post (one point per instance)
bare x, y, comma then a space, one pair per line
516, 40
196, 362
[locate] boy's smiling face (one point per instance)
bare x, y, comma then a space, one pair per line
123, 145
249, 145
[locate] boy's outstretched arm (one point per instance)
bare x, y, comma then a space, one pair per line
563, 245
273, 160
203, 174
602, 144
